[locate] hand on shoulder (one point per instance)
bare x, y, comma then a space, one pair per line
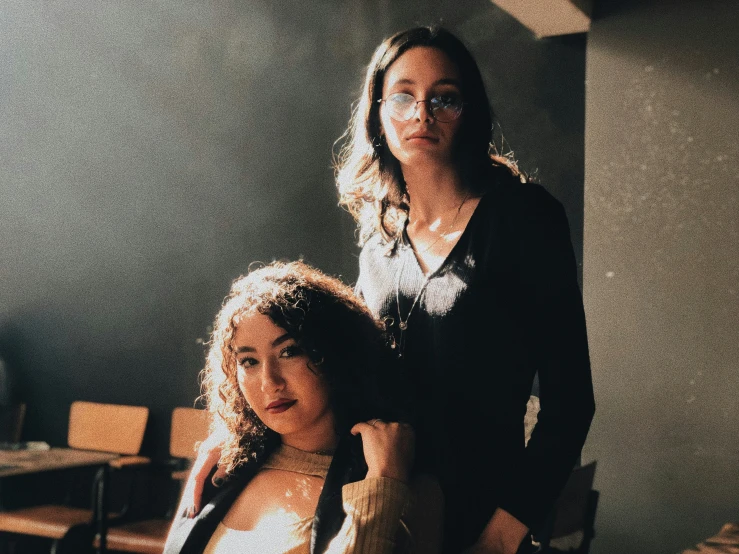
209, 453
389, 448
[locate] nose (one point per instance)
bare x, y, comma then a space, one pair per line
423, 111
272, 379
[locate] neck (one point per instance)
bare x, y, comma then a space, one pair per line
433, 191
314, 444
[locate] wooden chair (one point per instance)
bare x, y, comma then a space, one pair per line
725, 542
11, 422
189, 426
102, 427
573, 527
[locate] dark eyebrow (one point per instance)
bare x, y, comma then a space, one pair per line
449, 81
279, 340
445, 81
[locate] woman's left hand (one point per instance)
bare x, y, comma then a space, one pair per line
389, 448
503, 534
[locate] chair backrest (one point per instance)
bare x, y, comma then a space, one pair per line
574, 504
11, 422
107, 427
189, 426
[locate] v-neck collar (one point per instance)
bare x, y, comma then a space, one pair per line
405, 242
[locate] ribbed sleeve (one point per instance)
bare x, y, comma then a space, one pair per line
376, 512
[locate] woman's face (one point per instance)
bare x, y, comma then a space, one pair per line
423, 73
275, 378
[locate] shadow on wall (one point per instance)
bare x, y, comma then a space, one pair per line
11, 348
106, 369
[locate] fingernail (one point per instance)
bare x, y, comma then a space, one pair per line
217, 481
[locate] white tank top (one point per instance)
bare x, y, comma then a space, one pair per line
278, 538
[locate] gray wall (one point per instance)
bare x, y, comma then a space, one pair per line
151, 150
661, 268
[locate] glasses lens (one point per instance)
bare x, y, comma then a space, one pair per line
446, 107
400, 106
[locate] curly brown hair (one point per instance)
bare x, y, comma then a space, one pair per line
330, 323
368, 176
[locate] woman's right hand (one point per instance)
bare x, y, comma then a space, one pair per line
389, 448
209, 453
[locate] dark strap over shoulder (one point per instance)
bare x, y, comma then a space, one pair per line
191, 535
346, 467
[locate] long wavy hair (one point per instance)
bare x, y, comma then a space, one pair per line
344, 344
369, 178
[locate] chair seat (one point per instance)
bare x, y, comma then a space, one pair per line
44, 521
145, 537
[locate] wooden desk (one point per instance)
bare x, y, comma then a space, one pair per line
21, 462
24, 462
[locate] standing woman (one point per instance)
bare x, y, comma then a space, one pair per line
472, 271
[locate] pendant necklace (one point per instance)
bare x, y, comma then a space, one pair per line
403, 323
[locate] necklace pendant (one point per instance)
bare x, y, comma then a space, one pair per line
403, 325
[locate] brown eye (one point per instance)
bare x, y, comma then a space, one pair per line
446, 107
247, 362
291, 351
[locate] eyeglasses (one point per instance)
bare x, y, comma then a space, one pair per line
402, 107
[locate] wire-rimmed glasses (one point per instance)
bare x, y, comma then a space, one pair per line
401, 106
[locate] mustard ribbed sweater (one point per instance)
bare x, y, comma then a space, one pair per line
376, 511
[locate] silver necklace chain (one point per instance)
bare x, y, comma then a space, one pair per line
403, 323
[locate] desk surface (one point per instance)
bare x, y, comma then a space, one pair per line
19, 462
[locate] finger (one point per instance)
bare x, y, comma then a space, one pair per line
360, 428
219, 477
197, 494
187, 502
200, 473
204, 463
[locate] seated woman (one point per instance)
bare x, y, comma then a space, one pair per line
298, 371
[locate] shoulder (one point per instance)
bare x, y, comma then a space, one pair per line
529, 199
512, 212
376, 244
372, 244
377, 253
528, 211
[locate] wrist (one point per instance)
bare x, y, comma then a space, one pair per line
388, 473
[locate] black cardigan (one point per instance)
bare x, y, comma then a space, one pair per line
503, 306
191, 536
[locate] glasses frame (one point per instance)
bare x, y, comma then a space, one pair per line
431, 108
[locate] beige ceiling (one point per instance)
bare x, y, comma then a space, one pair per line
546, 18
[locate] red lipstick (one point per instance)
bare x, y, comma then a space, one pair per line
280, 405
